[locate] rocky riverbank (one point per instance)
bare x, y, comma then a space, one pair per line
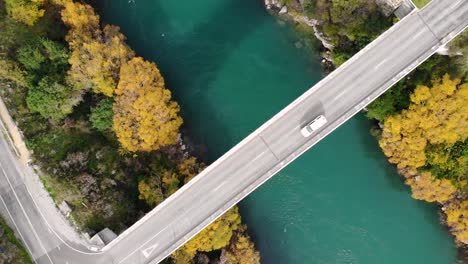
302, 12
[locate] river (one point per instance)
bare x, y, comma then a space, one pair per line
231, 66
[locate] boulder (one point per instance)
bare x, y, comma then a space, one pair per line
388, 6
283, 10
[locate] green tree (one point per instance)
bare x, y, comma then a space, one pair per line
43, 57
52, 99
101, 115
10, 70
31, 57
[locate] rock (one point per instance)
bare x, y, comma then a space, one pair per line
388, 6
3, 251
444, 50
65, 209
284, 10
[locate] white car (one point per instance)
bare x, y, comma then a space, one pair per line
317, 123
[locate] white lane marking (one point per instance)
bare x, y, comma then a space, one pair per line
26, 215
17, 228
154, 236
380, 63
147, 252
218, 187
9, 137
133, 252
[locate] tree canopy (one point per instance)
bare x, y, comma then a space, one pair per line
101, 115
216, 236
437, 115
97, 55
49, 94
145, 117
25, 11
428, 143
52, 99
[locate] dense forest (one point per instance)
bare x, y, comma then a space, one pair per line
102, 126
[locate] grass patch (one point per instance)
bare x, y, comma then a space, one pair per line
421, 3
13, 245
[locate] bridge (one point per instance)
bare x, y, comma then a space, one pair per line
250, 163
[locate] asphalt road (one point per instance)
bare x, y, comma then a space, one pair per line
255, 159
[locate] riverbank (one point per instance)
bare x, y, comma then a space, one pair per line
432, 179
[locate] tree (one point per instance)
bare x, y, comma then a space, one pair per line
426, 187
25, 11
429, 137
241, 249
10, 70
145, 118
190, 168
101, 115
52, 99
97, 55
97, 62
448, 161
83, 23
216, 236
43, 57
457, 219
31, 57
437, 116
170, 183
150, 191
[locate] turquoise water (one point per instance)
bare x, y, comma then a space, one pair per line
232, 66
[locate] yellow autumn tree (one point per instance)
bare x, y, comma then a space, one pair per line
190, 168
25, 11
150, 191
170, 182
426, 187
97, 55
241, 250
437, 115
429, 137
82, 21
216, 236
145, 117
457, 219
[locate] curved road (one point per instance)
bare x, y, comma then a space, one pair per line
254, 160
